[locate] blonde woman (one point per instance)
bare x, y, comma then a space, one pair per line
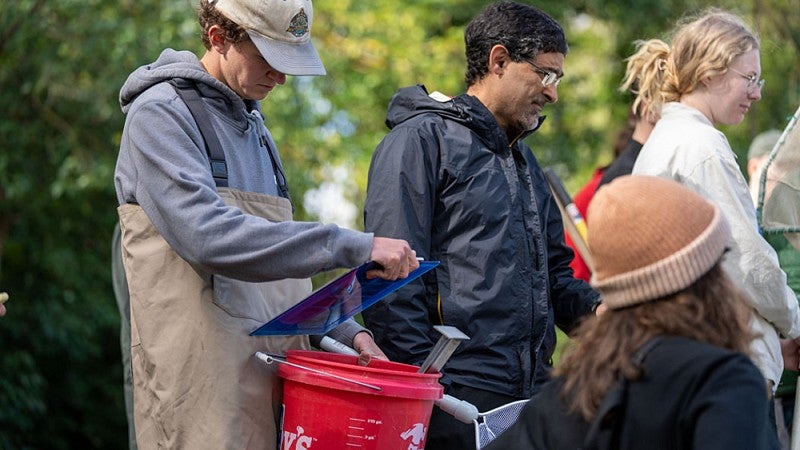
709, 76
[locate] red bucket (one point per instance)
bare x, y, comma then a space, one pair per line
384, 406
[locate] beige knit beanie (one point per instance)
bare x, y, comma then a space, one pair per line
650, 237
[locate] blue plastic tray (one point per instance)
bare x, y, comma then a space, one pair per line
336, 302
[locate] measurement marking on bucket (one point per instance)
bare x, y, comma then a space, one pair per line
358, 435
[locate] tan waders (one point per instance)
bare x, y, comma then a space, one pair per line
196, 382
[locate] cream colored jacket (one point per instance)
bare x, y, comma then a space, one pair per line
686, 147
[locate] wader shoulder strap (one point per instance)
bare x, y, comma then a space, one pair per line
187, 90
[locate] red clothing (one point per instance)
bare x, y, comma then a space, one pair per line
581, 200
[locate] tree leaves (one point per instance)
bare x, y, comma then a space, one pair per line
63, 64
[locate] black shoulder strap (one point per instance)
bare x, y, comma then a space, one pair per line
280, 177
187, 90
614, 400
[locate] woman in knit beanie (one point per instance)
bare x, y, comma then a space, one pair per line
667, 365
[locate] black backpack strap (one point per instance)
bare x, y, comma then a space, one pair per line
280, 177
613, 403
188, 91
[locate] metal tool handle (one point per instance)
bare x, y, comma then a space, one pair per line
269, 359
443, 349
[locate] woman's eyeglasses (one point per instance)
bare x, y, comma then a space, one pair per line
752, 80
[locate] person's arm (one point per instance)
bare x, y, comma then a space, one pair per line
751, 261
399, 204
730, 410
572, 298
166, 171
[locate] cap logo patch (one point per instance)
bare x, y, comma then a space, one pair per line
298, 26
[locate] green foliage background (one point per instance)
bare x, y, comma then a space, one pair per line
61, 66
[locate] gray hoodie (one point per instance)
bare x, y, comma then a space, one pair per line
163, 167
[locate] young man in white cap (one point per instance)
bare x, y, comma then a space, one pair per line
208, 244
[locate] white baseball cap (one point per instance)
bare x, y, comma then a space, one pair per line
280, 29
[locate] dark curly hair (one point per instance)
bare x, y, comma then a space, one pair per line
208, 16
523, 30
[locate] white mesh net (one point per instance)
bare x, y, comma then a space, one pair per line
490, 424
779, 187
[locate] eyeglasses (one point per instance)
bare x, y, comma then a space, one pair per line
752, 80
548, 77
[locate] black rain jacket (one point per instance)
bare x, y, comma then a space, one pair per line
447, 179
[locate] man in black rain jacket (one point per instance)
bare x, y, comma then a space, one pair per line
454, 179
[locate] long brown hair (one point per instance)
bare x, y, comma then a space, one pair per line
711, 310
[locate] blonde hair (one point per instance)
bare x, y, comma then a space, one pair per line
701, 47
646, 68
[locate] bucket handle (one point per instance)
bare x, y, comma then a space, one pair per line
269, 359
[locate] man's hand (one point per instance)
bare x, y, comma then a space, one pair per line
790, 350
3, 299
395, 256
367, 348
